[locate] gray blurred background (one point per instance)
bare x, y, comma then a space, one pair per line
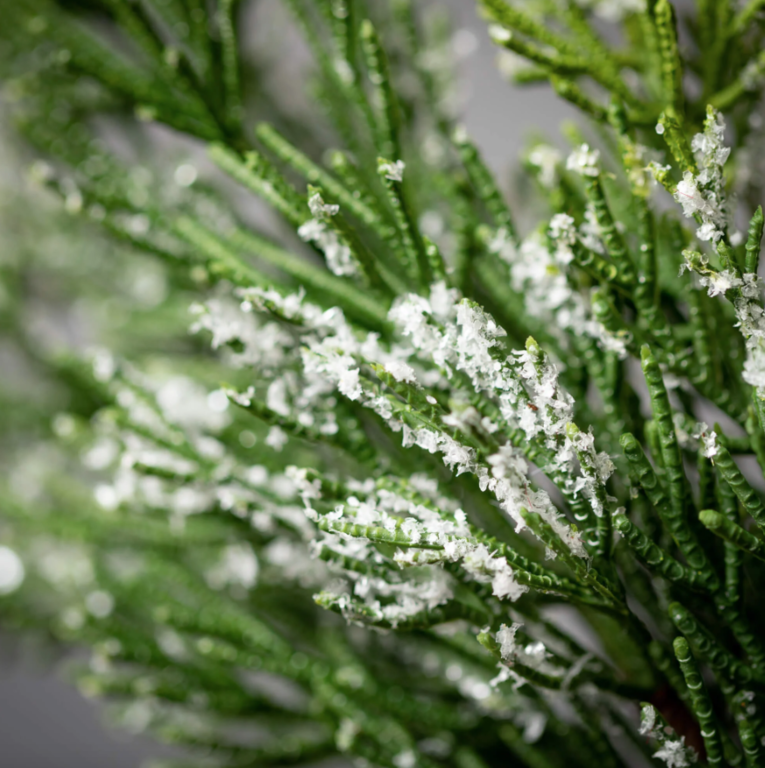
44, 723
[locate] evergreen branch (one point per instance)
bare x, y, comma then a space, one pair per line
700, 701
732, 533
732, 475
325, 284
718, 658
654, 557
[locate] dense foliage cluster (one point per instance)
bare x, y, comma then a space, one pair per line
419, 488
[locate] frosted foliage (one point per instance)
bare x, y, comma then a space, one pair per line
539, 273
393, 171
674, 753
506, 640
751, 321
708, 439
400, 371
426, 536
275, 351
702, 195
414, 398
261, 344
647, 720
483, 566
318, 230
461, 336
721, 282
747, 302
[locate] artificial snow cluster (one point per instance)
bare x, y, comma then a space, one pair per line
449, 337
539, 265
703, 197
423, 537
317, 230
702, 194
672, 750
